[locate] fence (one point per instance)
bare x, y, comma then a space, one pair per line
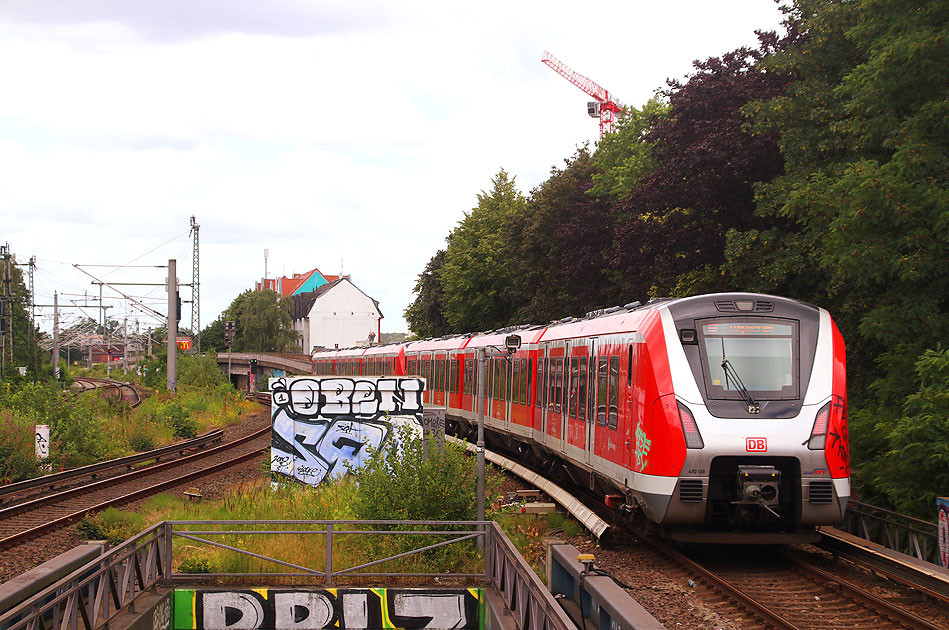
908, 535
92, 596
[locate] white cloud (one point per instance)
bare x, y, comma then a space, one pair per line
321, 131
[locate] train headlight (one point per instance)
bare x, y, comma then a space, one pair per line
819, 430
693, 439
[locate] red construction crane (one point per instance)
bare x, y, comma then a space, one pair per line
605, 107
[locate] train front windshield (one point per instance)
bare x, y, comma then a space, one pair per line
761, 353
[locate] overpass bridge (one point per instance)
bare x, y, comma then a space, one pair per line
237, 365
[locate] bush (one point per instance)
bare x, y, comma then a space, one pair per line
195, 564
140, 440
175, 416
400, 483
914, 468
115, 526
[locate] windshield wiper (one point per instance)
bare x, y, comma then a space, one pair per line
730, 371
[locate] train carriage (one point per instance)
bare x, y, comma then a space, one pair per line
717, 417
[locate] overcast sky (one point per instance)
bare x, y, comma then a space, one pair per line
340, 135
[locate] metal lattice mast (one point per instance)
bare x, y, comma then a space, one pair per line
195, 291
6, 312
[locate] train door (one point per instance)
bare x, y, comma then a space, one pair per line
590, 402
555, 391
563, 373
542, 376
427, 363
628, 418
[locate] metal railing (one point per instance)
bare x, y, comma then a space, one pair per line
911, 536
93, 595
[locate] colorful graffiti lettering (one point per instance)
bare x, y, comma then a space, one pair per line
264, 609
324, 427
642, 448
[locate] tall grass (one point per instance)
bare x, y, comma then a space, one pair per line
89, 427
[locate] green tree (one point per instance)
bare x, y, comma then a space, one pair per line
265, 323
624, 156
478, 275
912, 466
26, 351
864, 135
560, 242
426, 314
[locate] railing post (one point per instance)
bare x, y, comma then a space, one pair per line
166, 551
329, 554
488, 542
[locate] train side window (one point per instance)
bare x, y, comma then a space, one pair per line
614, 391
574, 370
495, 379
558, 392
564, 390
582, 390
454, 376
508, 378
445, 368
476, 376
466, 385
539, 384
549, 366
629, 368
602, 374
525, 381
516, 379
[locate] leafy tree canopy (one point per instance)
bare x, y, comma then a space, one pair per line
865, 135
670, 229
625, 156
559, 242
425, 315
478, 274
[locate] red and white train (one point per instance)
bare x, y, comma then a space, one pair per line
718, 417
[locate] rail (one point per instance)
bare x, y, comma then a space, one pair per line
156, 454
93, 595
905, 534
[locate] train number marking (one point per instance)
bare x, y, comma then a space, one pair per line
756, 444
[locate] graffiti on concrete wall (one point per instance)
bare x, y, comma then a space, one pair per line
351, 608
323, 426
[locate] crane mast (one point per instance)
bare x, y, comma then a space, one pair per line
606, 106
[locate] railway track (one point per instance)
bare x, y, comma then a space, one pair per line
772, 589
110, 387
763, 587
27, 522
21, 491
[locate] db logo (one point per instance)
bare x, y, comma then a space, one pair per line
756, 445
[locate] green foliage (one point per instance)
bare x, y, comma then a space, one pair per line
195, 564
115, 526
559, 242
864, 136
911, 466
478, 272
17, 456
200, 371
425, 315
625, 156
401, 483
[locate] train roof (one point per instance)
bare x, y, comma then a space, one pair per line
456, 342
